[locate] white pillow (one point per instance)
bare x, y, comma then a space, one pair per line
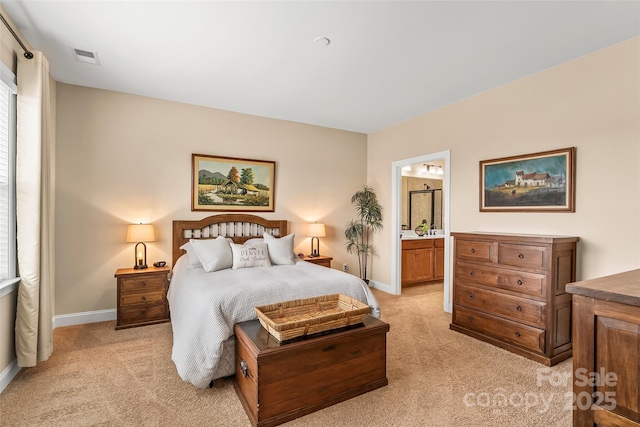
191, 255
214, 254
245, 256
280, 250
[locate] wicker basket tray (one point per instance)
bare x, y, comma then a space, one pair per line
292, 319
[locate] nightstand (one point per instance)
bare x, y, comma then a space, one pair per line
142, 296
324, 261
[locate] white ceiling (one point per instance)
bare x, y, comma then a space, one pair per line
388, 61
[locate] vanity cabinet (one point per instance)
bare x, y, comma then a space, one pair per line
509, 290
422, 261
438, 253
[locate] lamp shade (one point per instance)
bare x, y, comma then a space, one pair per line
141, 233
316, 230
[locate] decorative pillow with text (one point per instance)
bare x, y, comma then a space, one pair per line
246, 256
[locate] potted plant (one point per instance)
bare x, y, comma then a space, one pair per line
358, 231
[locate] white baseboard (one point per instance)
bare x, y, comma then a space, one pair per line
382, 287
84, 317
8, 374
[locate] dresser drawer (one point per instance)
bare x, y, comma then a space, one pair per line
479, 251
518, 309
135, 314
146, 284
141, 298
512, 280
505, 330
521, 255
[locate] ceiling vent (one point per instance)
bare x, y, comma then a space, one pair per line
86, 56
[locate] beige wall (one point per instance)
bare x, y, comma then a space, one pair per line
591, 103
125, 159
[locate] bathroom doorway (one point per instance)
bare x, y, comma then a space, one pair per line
413, 183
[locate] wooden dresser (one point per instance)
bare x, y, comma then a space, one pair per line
607, 311
142, 296
509, 290
279, 382
422, 260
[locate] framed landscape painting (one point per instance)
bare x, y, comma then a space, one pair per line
539, 182
232, 184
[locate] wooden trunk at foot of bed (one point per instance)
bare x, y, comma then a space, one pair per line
279, 382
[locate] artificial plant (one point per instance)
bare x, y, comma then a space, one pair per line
358, 231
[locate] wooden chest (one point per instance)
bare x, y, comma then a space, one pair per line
509, 290
279, 382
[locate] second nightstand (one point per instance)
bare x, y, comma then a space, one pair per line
324, 261
142, 296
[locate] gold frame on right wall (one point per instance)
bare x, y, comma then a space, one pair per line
538, 182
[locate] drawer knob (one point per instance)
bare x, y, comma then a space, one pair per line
519, 282
519, 308
143, 298
471, 296
517, 334
473, 251
521, 256
470, 319
143, 284
244, 368
473, 273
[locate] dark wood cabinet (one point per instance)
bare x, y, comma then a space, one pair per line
142, 296
606, 349
509, 290
422, 261
322, 260
438, 258
279, 382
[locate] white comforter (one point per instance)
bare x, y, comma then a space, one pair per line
205, 306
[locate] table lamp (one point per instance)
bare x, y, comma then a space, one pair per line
140, 233
316, 230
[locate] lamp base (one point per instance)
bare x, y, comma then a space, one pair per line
140, 267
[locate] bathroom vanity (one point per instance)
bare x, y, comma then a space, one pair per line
422, 260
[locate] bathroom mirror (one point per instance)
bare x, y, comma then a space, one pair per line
425, 205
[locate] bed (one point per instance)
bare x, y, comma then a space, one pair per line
205, 305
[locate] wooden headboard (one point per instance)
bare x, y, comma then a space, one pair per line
238, 227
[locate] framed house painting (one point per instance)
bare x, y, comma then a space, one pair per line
539, 182
232, 184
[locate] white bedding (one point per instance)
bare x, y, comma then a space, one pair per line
205, 306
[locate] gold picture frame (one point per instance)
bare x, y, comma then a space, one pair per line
232, 184
538, 182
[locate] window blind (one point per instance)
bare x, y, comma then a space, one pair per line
7, 182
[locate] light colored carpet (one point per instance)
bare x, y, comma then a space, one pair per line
101, 377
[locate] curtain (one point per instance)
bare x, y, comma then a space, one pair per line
35, 160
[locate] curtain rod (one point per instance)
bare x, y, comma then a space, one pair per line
27, 52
